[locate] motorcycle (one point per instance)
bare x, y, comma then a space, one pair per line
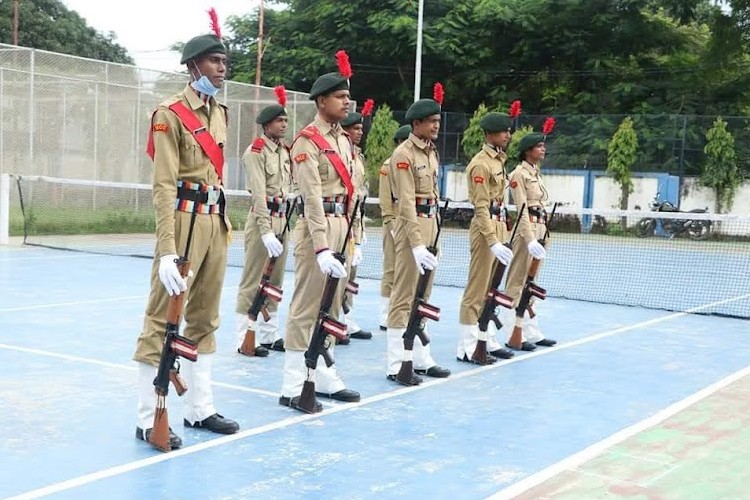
670, 228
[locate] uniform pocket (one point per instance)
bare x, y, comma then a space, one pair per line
324, 171
423, 182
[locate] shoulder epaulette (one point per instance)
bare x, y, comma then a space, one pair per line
257, 146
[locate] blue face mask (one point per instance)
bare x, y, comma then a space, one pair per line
204, 86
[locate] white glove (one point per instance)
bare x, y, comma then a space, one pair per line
357, 257
329, 265
425, 259
502, 253
273, 245
536, 250
170, 276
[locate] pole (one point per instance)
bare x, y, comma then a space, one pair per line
418, 64
15, 21
4, 209
259, 58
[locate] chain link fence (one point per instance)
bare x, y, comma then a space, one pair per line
70, 117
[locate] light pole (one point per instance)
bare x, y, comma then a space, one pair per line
418, 64
15, 22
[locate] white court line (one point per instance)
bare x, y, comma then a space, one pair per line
92, 361
55, 257
139, 464
618, 437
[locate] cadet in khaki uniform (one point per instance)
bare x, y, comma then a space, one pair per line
186, 181
319, 232
388, 212
267, 166
527, 187
413, 173
485, 176
353, 125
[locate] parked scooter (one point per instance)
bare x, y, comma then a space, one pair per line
694, 229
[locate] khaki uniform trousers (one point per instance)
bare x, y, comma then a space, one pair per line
481, 267
310, 281
406, 274
256, 255
208, 261
519, 266
389, 260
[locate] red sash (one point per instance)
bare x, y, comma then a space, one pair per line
198, 130
311, 132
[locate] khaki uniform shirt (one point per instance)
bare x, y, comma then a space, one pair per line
178, 156
360, 189
414, 168
268, 174
527, 187
385, 196
486, 180
316, 177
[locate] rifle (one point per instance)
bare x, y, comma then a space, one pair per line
493, 299
420, 310
325, 325
174, 345
352, 287
530, 289
266, 291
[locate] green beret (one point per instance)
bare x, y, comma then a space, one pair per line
422, 109
495, 122
269, 113
402, 133
352, 118
202, 44
527, 142
330, 82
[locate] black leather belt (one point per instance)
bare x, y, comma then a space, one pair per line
331, 208
204, 197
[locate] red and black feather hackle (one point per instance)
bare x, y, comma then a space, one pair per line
367, 107
549, 125
280, 92
515, 109
342, 61
438, 93
215, 26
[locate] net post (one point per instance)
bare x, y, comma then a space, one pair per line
4, 209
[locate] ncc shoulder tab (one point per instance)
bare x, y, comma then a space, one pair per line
307, 132
257, 146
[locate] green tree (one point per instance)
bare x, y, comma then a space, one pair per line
622, 153
379, 143
512, 151
474, 135
721, 170
49, 25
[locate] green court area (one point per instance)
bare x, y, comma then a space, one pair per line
700, 452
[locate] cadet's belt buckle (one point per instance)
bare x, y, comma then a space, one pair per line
213, 197
199, 130
338, 208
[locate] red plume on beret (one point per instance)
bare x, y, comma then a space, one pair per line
438, 93
367, 107
515, 109
549, 124
280, 92
342, 61
215, 27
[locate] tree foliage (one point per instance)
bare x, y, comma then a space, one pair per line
721, 171
49, 25
473, 137
622, 152
379, 143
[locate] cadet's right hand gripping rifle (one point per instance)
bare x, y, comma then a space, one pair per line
174, 345
493, 299
266, 291
530, 290
325, 325
352, 287
421, 310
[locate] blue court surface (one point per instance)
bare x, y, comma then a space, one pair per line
68, 324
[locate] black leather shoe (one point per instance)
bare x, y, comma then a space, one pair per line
345, 341
260, 351
525, 346
362, 335
174, 440
467, 359
502, 353
546, 342
345, 395
293, 403
276, 346
415, 379
383, 328
434, 371
215, 423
